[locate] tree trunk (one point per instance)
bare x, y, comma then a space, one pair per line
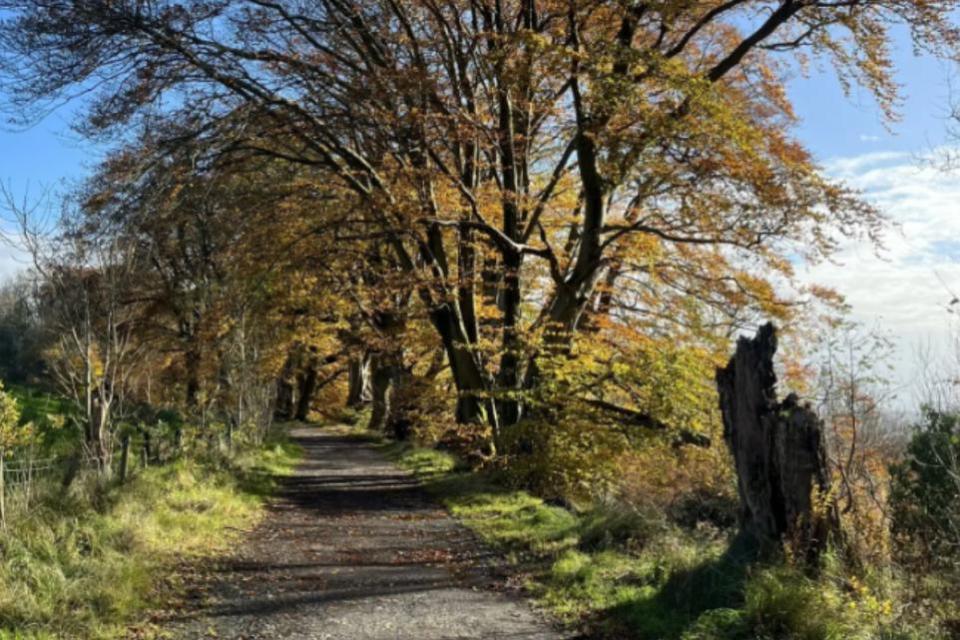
359, 392
99, 442
509, 376
473, 402
192, 366
508, 380
307, 384
778, 451
3, 494
574, 292
147, 455
383, 379
284, 405
72, 469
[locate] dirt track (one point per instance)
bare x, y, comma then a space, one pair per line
354, 549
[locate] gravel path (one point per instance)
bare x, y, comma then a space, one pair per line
354, 549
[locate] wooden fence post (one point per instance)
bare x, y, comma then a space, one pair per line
124, 453
3, 494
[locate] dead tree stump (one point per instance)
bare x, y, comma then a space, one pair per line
778, 451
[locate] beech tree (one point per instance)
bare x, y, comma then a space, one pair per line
528, 163
219, 276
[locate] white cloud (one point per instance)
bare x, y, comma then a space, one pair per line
12, 262
904, 287
848, 167
869, 138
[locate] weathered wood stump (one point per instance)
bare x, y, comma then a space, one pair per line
778, 451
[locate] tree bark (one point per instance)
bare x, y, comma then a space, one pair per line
283, 407
383, 382
508, 379
473, 403
359, 392
778, 452
284, 403
99, 438
307, 384
192, 366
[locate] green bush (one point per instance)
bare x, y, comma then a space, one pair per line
925, 494
616, 525
568, 459
783, 603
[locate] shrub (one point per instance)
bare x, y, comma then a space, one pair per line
423, 411
695, 487
568, 458
602, 415
614, 525
785, 603
925, 494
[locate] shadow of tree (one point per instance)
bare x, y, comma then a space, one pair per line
676, 610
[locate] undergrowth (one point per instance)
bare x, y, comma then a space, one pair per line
89, 563
624, 573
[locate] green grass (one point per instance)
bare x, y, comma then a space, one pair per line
623, 574
87, 564
546, 543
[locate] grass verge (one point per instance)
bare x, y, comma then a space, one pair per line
89, 563
617, 572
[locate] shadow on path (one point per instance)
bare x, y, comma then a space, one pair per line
353, 548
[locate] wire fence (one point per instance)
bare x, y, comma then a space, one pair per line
24, 476
26, 470
29, 474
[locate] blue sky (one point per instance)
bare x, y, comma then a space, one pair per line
834, 125
904, 290
48, 152
47, 156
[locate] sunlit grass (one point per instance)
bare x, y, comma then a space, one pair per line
626, 574
87, 564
